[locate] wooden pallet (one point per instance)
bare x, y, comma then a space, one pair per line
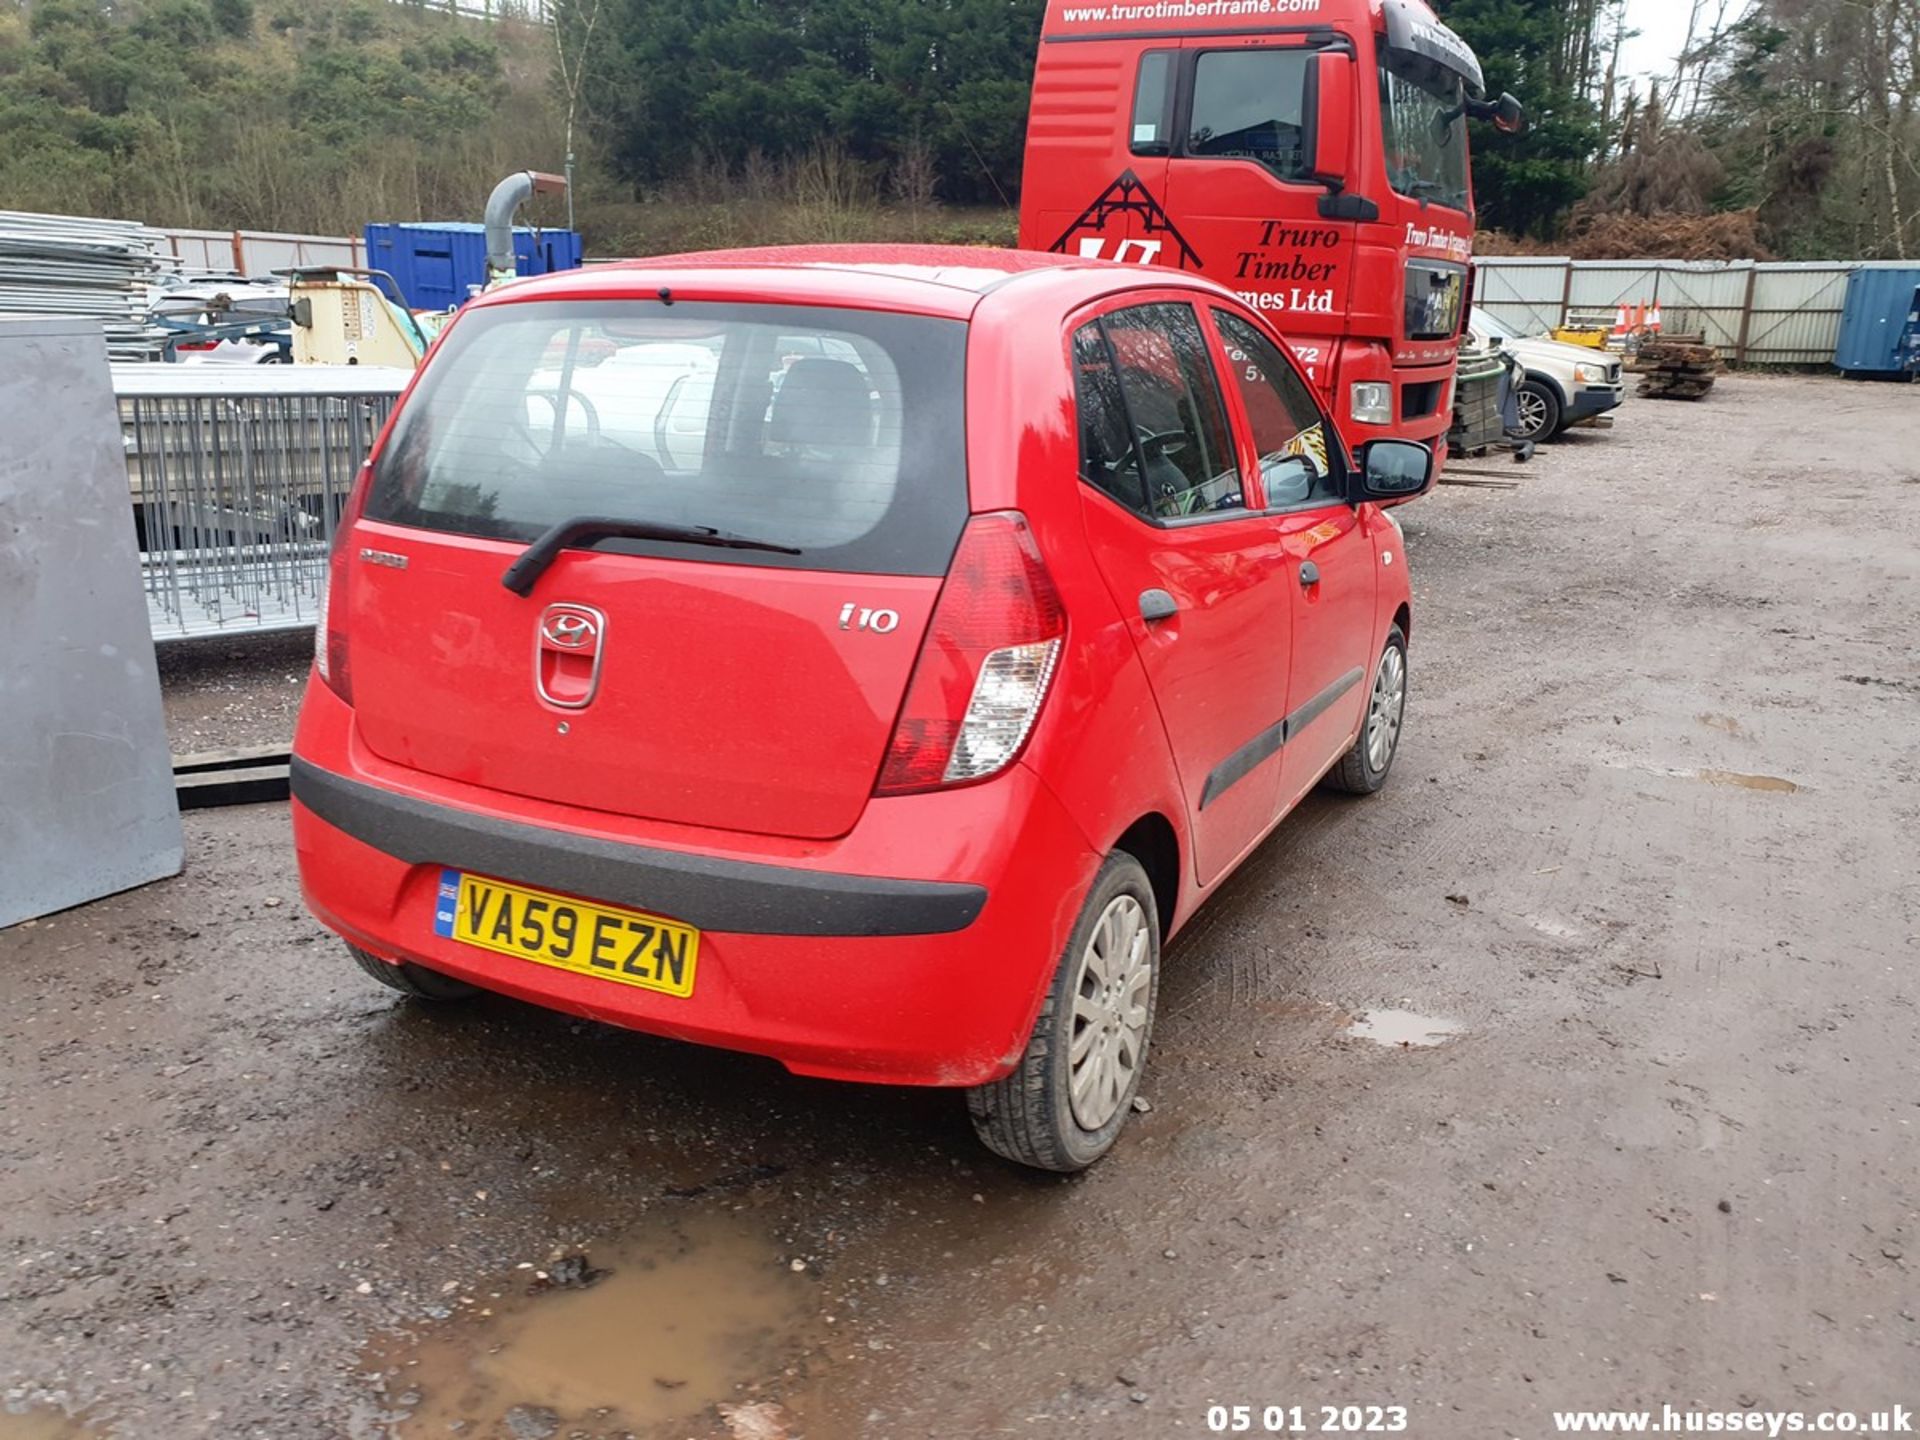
1677, 367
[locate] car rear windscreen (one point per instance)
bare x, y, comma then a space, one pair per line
840, 433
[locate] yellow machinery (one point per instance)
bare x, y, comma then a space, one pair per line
340, 317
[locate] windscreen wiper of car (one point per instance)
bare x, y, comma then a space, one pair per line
525, 572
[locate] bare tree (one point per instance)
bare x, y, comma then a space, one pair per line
580, 16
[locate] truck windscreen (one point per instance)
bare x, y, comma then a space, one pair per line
1423, 122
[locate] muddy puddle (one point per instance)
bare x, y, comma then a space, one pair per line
699, 1313
1403, 1029
1746, 782
42, 1425
1738, 778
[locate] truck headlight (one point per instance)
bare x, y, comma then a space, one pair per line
1371, 402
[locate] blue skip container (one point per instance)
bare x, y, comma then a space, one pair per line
1880, 324
436, 265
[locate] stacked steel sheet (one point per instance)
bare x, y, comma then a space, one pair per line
97, 269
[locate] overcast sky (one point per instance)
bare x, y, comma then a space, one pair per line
1663, 27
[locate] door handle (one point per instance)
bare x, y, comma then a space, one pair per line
1157, 604
1309, 574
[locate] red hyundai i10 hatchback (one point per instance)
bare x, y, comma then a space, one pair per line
863, 657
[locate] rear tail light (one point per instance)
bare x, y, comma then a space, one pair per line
989, 655
330, 625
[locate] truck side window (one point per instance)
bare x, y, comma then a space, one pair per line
1287, 428
1250, 105
1153, 88
1178, 459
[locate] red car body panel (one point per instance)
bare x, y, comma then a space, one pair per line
443, 734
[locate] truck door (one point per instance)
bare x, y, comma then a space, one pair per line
1329, 566
1240, 183
1097, 144
1199, 575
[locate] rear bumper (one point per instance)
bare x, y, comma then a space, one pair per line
743, 897
914, 950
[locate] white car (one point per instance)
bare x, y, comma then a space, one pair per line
1565, 384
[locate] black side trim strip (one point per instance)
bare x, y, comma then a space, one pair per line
733, 896
1312, 710
1236, 767
1232, 770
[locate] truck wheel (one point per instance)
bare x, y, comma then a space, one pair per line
1062, 1106
410, 979
1539, 407
1363, 769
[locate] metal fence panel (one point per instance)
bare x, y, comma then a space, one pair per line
237, 477
1795, 315
1609, 284
1528, 293
1763, 313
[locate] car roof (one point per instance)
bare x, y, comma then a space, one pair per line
946, 280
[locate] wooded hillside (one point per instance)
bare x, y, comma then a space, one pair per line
1787, 127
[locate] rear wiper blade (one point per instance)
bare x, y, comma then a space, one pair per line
525, 572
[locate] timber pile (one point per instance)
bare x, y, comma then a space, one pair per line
1677, 367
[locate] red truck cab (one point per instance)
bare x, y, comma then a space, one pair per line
1311, 155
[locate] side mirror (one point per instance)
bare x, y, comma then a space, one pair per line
1509, 116
1333, 116
1394, 469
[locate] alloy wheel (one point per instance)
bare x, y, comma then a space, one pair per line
1110, 996
1384, 711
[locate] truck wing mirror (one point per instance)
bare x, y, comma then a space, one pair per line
1333, 116
1509, 116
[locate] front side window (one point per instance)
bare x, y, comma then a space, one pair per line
1287, 427
1424, 125
837, 432
1153, 426
1251, 105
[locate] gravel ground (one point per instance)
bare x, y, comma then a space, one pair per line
1645, 865
230, 691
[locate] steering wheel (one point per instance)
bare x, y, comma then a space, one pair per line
587, 412
1160, 442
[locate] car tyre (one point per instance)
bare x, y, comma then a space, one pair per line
410, 979
1054, 1111
1539, 405
1363, 769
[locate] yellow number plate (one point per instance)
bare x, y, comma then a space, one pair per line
625, 946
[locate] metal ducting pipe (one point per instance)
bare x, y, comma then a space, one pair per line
507, 198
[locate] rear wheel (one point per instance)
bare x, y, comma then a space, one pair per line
1064, 1103
410, 979
1363, 769
1539, 406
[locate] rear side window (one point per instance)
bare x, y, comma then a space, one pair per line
1287, 427
1153, 427
1250, 105
839, 432
1152, 95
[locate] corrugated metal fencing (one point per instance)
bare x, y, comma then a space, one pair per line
238, 475
1754, 313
